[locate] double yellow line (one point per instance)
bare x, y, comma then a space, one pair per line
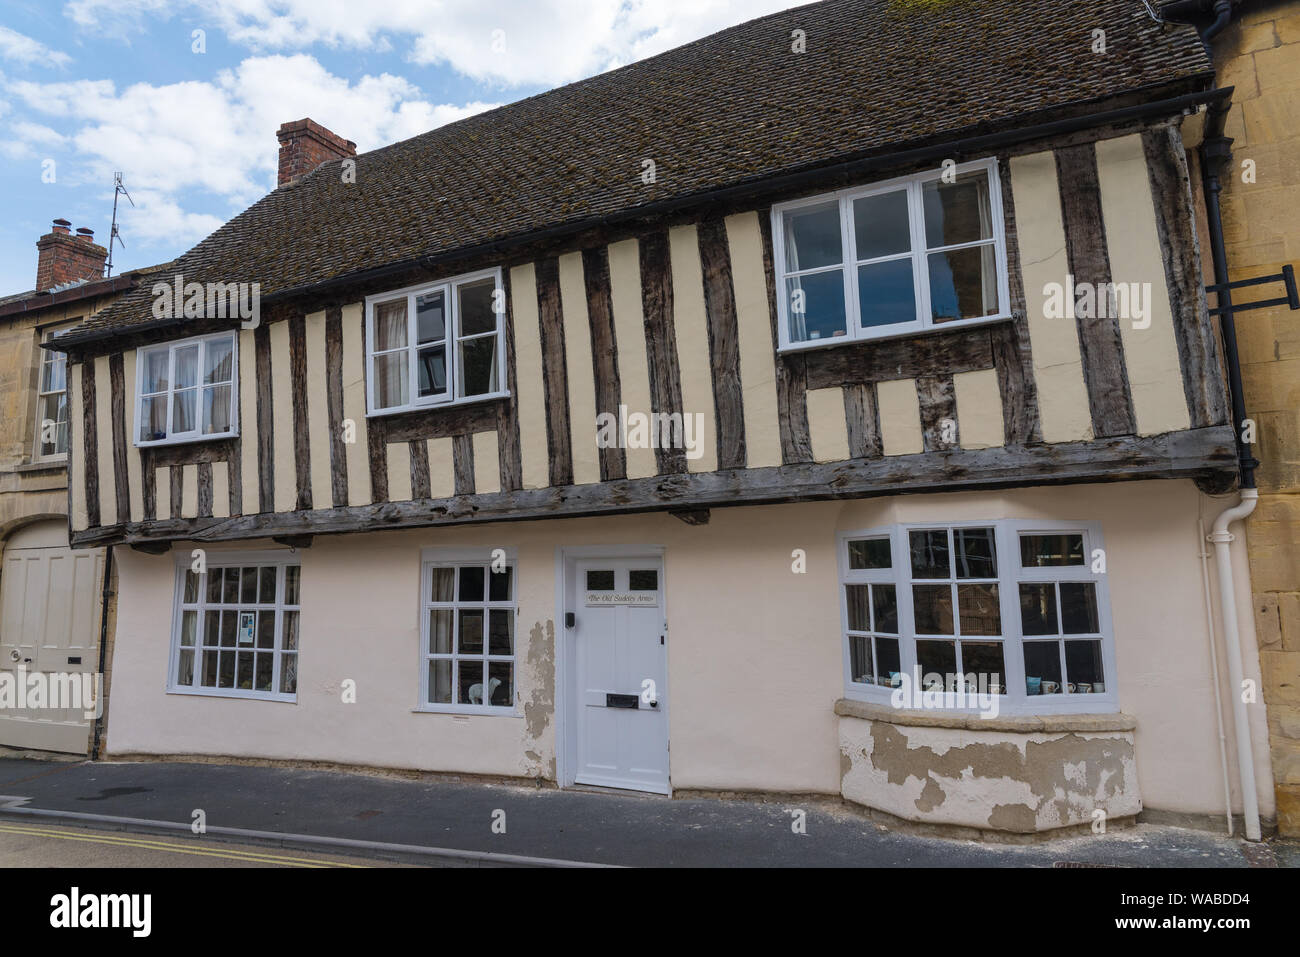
174, 847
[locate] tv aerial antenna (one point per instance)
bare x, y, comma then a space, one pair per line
114, 234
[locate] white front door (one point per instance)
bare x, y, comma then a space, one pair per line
621, 644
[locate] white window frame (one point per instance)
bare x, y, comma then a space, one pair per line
919, 255
48, 358
431, 558
1007, 534
453, 339
196, 434
280, 559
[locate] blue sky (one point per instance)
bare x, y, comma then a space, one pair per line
102, 85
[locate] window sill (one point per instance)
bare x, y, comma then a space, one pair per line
972, 721
49, 465
195, 440
233, 693
911, 332
436, 406
468, 709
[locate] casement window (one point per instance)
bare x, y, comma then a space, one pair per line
895, 258
436, 344
186, 390
1015, 609
467, 634
236, 628
52, 401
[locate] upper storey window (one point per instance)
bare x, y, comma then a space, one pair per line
436, 344
186, 390
891, 259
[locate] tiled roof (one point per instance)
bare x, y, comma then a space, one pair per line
735, 106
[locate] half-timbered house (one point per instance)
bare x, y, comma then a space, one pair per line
828, 405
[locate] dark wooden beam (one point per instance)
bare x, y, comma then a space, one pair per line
862, 415
724, 342
265, 418
555, 375
691, 516
121, 478
604, 352
1012, 354
791, 370
205, 489
1102, 348
462, 460
937, 399
301, 428
1198, 454
293, 541
661, 342
334, 403
152, 548
90, 444
419, 468
508, 451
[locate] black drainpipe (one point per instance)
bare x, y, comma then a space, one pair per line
102, 702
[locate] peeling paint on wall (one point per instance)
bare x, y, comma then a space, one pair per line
539, 709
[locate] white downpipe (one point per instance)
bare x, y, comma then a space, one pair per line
1222, 540
1214, 672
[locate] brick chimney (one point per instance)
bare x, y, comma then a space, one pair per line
304, 145
63, 259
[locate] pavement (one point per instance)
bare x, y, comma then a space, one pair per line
457, 823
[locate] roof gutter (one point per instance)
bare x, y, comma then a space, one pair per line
750, 188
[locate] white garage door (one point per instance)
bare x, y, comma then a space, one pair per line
49, 623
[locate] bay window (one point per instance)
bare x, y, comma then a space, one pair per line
893, 258
436, 344
186, 390
1008, 608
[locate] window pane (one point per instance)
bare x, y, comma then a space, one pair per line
957, 212
887, 664
1047, 551
860, 666
881, 225
932, 609
440, 631
226, 670
266, 585
244, 674
390, 380
288, 674
643, 579
155, 372
262, 673
292, 576
187, 367
211, 628
1038, 608
229, 628
218, 362
886, 294
214, 584
870, 553
153, 419
976, 553
478, 366
963, 284
1042, 667
183, 411
1079, 608
501, 632
938, 659
499, 584
191, 587
216, 410
471, 583
979, 609
185, 669
501, 690
54, 374
444, 584
1083, 667
290, 631
812, 237
440, 682
983, 659
53, 423
929, 553
430, 317
189, 627
209, 677
476, 313
432, 367
266, 629
470, 682
886, 608
230, 593
390, 325
247, 585
600, 580
859, 612
471, 631
816, 306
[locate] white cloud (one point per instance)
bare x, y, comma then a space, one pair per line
548, 42
23, 49
183, 144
